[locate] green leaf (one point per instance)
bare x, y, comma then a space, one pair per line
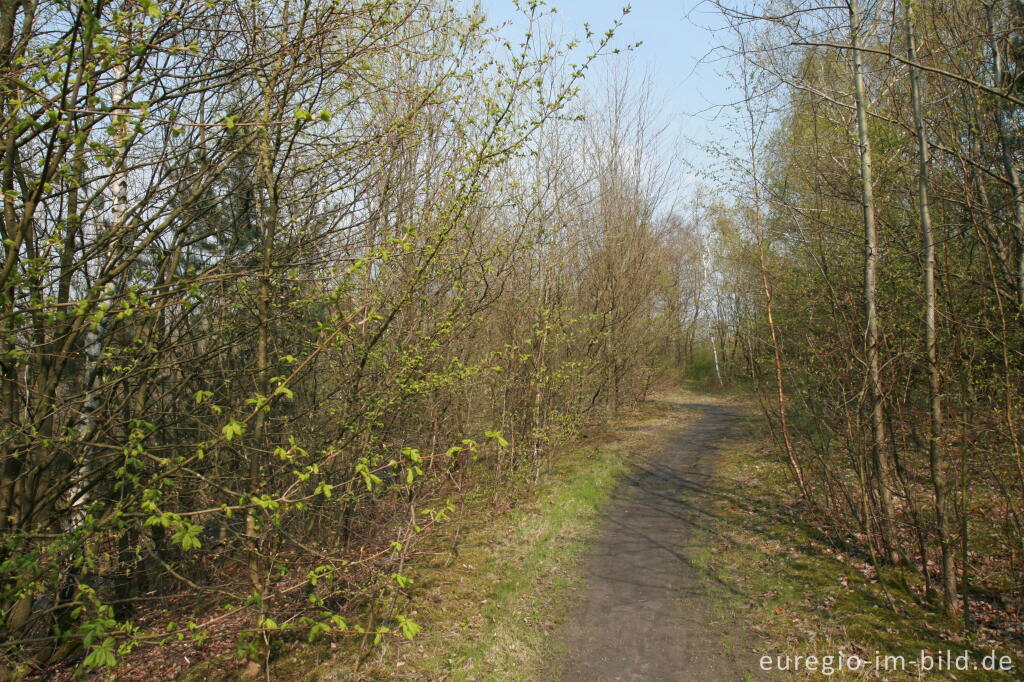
409, 628
369, 478
102, 655
152, 8
232, 429
496, 436
316, 630
187, 536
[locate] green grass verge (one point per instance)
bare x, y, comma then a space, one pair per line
492, 609
776, 575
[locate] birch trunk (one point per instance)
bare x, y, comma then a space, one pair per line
949, 591
879, 458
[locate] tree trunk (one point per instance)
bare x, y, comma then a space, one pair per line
949, 591
882, 468
1007, 158
780, 393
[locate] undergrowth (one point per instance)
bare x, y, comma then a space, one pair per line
492, 589
770, 569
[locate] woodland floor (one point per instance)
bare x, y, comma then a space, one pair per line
595, 578
663, 547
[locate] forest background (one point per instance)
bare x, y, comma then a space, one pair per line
281, 281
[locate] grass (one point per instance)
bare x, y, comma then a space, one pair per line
773, 572
493, 609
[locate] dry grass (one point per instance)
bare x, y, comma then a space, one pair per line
769, 569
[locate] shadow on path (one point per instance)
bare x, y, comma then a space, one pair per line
644, 613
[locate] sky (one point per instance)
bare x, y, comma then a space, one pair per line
679, 51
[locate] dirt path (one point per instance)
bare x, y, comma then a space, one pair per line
644, 613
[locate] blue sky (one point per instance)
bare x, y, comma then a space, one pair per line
677, 41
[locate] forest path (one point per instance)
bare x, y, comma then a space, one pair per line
644, 612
